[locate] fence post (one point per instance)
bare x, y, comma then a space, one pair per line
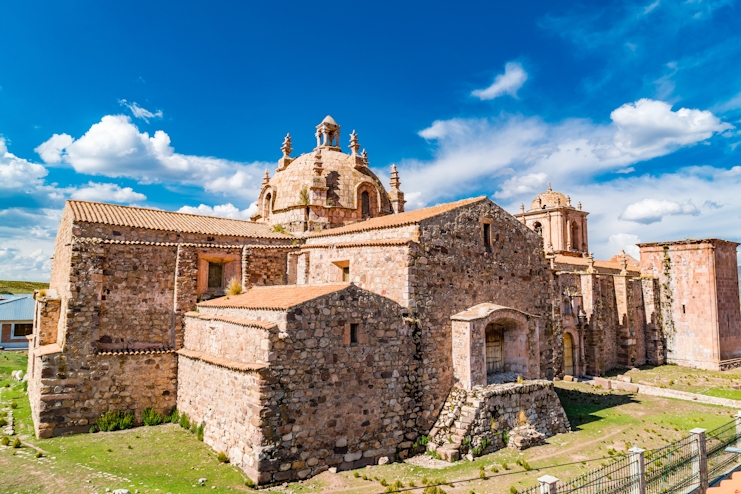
637, 470
700, 464
738, 429
548, 484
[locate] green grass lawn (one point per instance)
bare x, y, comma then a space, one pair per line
710, 383
21, 286
167, 458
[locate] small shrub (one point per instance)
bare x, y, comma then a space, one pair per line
184, 421
512, 489
383, 482
425, 481
151, 417
174, 416
13, 405
199, 432
114, 420
482, 472
365, 477
520, 380
130, 447
193, 428
526, 466
17, 443
505, 466
25, 386
494, 469
221, 456
422, 441
279, 229
356, 474
3, 422
92, 429
398, 484
5, 441
39, 454
234, 287
110, 450
412, 484
505, 437
249, 483
519, 461
433, 489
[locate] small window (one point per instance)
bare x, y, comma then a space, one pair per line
538, 228
215, 274
487, 237
354, 332
683, 310
365, 201
346, 273
22, 329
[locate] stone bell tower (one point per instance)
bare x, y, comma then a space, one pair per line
562, 226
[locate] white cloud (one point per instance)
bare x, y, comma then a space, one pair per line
15, 265
140, 112
509, 82
533, 182
650, 211
114, 147
51, 150
17, 173
649, 128
106, 192
626, 242
223, 211
470, 152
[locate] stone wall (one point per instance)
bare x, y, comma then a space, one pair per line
451, 270
482, 417
69, 392
324, 401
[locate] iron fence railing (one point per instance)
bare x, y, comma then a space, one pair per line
614, 478
673, 467
717, 440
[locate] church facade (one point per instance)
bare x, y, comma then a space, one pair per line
357, 320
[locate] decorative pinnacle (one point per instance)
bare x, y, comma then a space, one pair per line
568, 200
394, 178
522, 207
286, 148
354, 145
549, 187
318, 162
365, 157
265, 178
578, 206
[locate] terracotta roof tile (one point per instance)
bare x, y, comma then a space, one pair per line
222, 362
155, 219
394, 220
361, 243
584, 262
233, 320
274, 297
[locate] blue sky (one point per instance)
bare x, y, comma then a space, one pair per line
632, 108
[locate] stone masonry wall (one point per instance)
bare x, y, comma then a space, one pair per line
729, 311
488, 413
451, 270
325, 401
70, 392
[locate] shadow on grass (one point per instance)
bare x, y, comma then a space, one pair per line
580, 405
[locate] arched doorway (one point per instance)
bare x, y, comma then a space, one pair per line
494, 349
268, 205
568, 354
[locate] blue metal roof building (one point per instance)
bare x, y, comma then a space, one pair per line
16, 320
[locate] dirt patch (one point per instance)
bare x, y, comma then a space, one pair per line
427, 462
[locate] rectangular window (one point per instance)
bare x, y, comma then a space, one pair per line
346, 274
487, 237
683, 311
215, 274
21, 330
354, 327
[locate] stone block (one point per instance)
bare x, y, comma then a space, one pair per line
603, 383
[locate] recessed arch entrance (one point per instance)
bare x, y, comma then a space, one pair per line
568, 354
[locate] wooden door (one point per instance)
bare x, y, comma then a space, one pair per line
494, 351
568, 354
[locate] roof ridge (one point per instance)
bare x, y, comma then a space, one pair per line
160, 211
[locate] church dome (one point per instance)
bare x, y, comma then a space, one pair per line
339, 175
325, 188
550, 199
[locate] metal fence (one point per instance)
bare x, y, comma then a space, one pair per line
672, 468
685, 466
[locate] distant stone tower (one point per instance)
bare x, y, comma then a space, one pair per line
325, 188
562, 226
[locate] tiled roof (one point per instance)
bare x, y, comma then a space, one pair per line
222, 362
394, 220
19, 308
233, 320
688, 241
155, 219
584, 262
361, 243
274, 297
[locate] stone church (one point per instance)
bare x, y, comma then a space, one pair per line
360, 326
